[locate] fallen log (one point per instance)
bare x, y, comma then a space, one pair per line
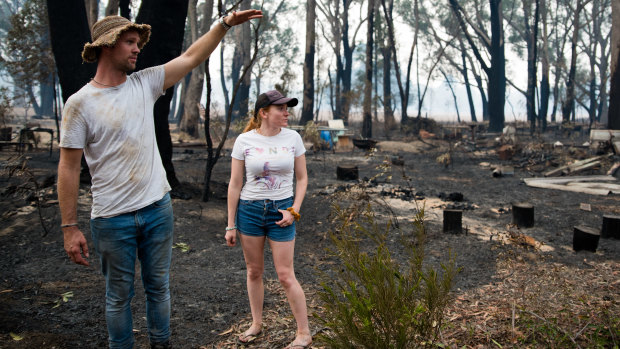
575, 166
559, 180
580, 184
593, 191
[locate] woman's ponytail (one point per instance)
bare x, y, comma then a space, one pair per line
254, 122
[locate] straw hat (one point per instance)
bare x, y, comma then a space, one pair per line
107, 30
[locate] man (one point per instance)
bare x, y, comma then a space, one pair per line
110, 120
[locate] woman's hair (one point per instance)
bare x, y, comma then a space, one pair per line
255, 121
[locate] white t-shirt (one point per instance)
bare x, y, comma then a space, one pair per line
269, 163
115, 127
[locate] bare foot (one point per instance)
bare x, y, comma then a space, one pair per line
250, 334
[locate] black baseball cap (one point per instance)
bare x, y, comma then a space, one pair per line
273, 97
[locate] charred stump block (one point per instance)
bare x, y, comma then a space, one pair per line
523, 215
452, 221
506, 152
585, 238
347, 172
611, 227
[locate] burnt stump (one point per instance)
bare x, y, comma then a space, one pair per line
347, 172
523, 215
611, 227
452, 221
585, 238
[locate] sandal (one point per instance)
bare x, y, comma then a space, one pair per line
248, 338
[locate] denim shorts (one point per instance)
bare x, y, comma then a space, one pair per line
259, 217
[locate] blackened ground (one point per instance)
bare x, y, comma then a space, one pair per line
48, 302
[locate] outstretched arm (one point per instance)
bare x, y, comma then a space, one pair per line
200, 50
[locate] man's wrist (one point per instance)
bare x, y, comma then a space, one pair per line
224, 24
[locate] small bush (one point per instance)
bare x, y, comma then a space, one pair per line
311, 135
5, 106
373, 301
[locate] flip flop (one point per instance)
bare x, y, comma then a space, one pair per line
300, 346
248, 338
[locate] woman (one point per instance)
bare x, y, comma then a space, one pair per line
269, 154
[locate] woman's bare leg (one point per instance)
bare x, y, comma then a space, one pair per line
253, 247
283, 253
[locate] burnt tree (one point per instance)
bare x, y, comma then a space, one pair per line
165, 44
307, 112
69, 31
496, 70
614, 90
367, 121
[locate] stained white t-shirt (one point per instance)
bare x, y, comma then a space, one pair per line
115, 127
269, 163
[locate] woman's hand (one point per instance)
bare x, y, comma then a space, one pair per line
231, 237
287, 219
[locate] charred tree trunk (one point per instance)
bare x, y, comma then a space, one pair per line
403, 86
614, 90
165, 44
388, 112
307, 113
347, 68
456, 105
367, 123
470, 99
544, 80
46, 93
92, 11
112, 8
241, 59
125, 9
497, 73
569, 101
191, 112
532, 58
69, 31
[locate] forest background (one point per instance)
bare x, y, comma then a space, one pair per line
377, 60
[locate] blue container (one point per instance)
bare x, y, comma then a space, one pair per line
327, 137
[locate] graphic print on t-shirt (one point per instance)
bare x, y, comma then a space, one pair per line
266, 179
271, 177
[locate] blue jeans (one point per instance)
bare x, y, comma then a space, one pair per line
259, 217
147, 234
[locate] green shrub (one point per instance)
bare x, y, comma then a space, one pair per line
5, 106
370, 300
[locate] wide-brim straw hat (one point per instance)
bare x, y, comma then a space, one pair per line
107, 31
